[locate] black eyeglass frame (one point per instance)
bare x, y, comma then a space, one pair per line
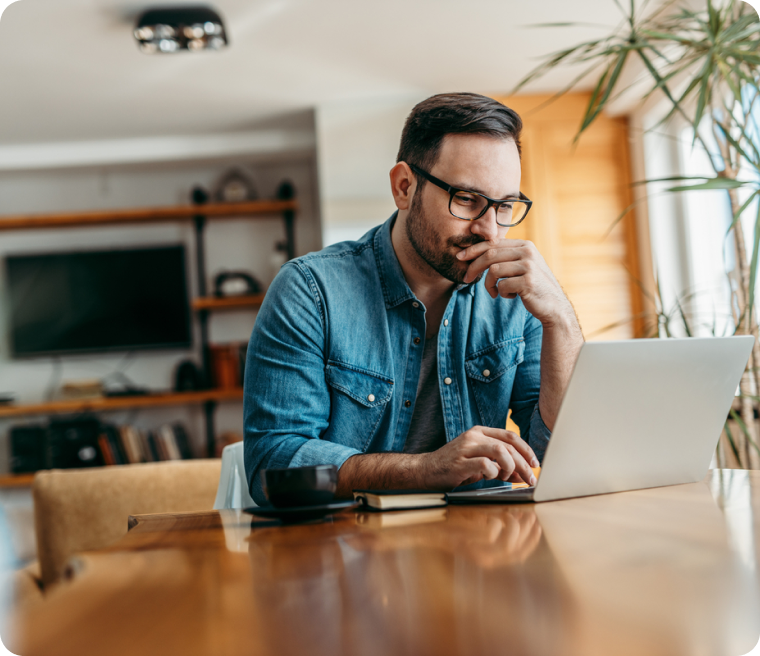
490, 202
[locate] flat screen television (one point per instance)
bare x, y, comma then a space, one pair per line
93, 301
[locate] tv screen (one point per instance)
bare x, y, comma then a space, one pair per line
98, 301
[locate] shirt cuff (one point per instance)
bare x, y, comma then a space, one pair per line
539, 435
322, 452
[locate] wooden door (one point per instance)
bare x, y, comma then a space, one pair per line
578, 191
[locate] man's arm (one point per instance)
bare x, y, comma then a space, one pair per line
286, 401
562, 341
516, 268
479, 453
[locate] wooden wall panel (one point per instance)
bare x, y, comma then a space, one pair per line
578, 190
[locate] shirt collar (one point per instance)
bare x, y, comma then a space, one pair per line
395, 288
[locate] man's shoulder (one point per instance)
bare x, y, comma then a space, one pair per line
344, 250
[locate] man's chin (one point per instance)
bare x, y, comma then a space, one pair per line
455, 271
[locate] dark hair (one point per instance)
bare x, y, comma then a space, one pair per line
453, 113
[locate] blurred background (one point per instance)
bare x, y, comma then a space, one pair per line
302, 98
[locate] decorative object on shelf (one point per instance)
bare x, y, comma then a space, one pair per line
225, 365
27, 448
82, 389
235, 186
187, 377
235, 283
172, 29
199, 195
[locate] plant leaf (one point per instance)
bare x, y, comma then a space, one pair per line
712, 183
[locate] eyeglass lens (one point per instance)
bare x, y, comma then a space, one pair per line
469, 206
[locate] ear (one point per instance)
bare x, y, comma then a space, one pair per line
403, 185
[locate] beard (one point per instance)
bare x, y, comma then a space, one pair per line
438, 253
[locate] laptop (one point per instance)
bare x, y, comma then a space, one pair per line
636, 414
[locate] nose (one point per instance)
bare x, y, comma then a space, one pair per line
486, 225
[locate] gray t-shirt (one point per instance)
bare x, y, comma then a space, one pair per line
426, 432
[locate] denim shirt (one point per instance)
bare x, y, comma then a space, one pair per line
332, 365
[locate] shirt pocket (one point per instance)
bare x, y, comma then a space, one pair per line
358, 400
491, 375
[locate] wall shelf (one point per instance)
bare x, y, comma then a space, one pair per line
101, 404
227, 303
147, 215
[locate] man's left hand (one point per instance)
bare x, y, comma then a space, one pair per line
516, 268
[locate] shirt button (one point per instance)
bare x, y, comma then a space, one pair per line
407, 403
371, 398
445, 322
447, 380
415, 304
486, 373
416, 340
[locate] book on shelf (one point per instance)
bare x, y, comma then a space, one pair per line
183, 441
171, 449
117, 449
105, 449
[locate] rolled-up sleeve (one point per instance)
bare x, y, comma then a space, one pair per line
286, 399
525, 393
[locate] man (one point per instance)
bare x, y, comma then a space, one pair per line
397, 357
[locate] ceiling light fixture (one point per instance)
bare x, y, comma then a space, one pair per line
171, 29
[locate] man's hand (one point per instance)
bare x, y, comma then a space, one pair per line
479, 453
516, 268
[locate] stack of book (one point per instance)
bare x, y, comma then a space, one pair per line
129, 444
85, 441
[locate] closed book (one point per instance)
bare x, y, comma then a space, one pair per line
137, 440
153, 445
170, 443
105, 449
183, 441
398, 499
128, 445
150, 445
117, 450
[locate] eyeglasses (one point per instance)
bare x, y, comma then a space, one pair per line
471, 205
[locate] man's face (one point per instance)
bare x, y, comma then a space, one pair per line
480, 163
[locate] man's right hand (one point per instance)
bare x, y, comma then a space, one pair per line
477, 454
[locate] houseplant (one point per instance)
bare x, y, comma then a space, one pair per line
705, 63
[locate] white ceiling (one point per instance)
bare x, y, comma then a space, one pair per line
71, 70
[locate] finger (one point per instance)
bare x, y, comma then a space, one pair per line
476, 250
509, 287
477, 465
503, 273
489, 258
495, 450
514, 439
521, 466
501, 270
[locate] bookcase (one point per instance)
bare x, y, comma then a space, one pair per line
203, 305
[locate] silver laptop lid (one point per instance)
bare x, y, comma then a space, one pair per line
641, 413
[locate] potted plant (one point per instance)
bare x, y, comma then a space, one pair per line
706, 64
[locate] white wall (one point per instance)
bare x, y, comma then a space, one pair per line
357, 142
231, 244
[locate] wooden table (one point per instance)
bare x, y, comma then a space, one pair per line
664, 571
